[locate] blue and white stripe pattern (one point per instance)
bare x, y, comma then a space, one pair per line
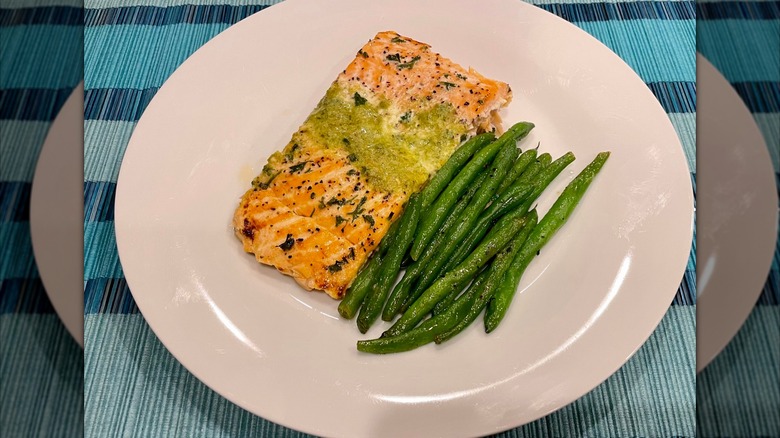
41, 367
738, 394
130, 51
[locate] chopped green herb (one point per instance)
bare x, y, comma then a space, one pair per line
288, 243
351, 172
336, 201
358, 209
352, 157
397, 40
336, 267
291, 153
362, 53
447, 85
368, 218
359, 100
406, 116
298, 167
268, 169
460, 76
345, 141
480, 101
340, 220
264, 185
394, 57
322, 203
409, 64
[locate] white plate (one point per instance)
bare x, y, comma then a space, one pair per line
57, 212
737, 206
586, 304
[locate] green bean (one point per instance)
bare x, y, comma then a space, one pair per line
458, 158
543, 179
526, 179
388, 240
484, 291
356, 294
538, 183
361, 285
558, 214
547, 176
437, 213
523, 186
506, 229
527, 217
468, 217
419, 336
522, 163
398, 296
510, 199
545, 159
506, 288
451, 220
446, 302
390, 265
411, 298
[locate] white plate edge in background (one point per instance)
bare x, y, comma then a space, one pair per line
57, 211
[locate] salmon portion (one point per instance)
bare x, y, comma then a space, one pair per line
389, 121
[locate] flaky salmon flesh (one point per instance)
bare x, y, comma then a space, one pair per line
388, 122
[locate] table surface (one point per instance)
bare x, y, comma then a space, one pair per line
134, 387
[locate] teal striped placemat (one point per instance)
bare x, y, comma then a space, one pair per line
134, 387
41, 367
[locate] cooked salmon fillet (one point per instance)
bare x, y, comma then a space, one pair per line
387, 123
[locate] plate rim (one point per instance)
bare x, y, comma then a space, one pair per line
739, 315
73, 107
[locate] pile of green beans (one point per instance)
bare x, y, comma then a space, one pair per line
464, 241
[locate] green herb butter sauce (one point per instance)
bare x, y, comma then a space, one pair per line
395, 150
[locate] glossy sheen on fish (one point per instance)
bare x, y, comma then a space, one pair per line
390, 120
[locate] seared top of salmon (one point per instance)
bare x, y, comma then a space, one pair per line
409, 73
387, 123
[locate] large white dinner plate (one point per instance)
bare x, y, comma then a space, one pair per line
57, 212
737, 206
585, 305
